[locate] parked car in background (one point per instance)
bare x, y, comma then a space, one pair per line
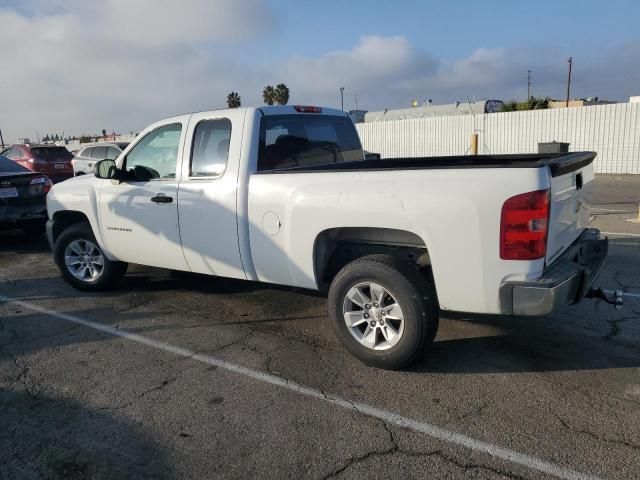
86, 157
52, 160
23, 196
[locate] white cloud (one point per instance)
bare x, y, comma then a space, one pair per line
118, 64
78, 66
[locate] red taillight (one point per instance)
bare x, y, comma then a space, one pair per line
307, 109
524, 225
42, 181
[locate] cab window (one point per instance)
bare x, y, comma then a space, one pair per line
210, 148
157, 152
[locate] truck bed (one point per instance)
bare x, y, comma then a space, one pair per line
558, 163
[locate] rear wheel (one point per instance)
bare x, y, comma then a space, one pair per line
383, 311
82, 262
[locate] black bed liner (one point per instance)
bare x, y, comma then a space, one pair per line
558, 163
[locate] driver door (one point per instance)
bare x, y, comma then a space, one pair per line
139, 217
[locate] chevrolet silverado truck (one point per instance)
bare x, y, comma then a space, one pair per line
284, 195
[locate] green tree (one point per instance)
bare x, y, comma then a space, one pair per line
104, 132
233, 100
532, 103
45, 139
269, 95
281, 94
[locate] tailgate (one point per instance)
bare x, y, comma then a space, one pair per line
571, 194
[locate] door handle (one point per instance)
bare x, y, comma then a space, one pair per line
161, 198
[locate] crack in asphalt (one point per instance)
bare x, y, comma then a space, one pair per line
475, 411
615, 328
156, 388
395, 448
596, 437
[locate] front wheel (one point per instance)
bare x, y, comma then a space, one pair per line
82, 262
384, 312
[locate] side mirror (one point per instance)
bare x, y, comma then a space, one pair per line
105, 169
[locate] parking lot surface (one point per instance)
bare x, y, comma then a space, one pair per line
183, 376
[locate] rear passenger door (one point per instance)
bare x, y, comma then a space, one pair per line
207, 193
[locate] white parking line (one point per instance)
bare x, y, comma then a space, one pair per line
384, 415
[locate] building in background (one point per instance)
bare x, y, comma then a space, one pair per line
428, 110
578, 102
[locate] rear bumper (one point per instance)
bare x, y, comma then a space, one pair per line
565, 282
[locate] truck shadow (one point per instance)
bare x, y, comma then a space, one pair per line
58, 438
532, 345
466, 344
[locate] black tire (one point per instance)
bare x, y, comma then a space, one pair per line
111, 273
413, 291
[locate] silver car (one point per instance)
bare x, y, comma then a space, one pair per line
87, 157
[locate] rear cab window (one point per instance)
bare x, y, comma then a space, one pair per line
288, 141
51, 154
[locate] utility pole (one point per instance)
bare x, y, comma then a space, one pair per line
528, 84
570, 60
342, 98
1, 139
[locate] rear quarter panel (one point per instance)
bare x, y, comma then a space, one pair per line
456, 212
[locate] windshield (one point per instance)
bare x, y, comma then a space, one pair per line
9, 166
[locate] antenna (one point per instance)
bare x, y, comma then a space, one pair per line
570, 60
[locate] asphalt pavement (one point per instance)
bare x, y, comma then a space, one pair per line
184, 376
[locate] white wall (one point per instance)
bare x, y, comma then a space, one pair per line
611, 130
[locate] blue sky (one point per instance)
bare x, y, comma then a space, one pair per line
454, 28
120, 64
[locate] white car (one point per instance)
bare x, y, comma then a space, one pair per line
284, 195
89, 155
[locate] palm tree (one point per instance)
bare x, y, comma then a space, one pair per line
282, 94
268, 95
233, 100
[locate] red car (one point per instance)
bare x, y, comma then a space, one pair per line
52, 160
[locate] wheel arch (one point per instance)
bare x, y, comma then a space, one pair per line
64, 219
335, 247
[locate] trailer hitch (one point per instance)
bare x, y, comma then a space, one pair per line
612, 297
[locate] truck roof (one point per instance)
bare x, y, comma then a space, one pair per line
274, 110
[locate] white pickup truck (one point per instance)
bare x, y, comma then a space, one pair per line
284, 195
